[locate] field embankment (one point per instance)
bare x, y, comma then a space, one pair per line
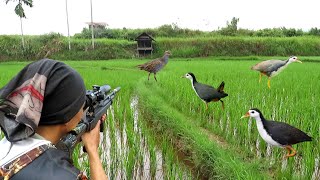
174, 109
56, 47
206, 157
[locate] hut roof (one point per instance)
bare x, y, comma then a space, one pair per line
144, 36
97, 23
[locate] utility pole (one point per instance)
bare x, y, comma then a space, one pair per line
92, 35
68, 25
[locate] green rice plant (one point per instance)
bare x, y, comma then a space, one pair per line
173, 120
292, 99
204, 153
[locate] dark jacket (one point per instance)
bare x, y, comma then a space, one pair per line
53, 164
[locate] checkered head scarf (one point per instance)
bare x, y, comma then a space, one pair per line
45, 92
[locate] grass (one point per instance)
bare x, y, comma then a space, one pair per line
170, 112
126, 153
208, 158
292, 99
56, 47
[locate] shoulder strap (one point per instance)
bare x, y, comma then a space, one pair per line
22, 161
82, 176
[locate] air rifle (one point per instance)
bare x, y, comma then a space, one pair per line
97, 103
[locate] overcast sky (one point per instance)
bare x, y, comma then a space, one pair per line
50, 15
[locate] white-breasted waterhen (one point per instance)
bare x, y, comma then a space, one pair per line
278, 133
205, 92
272, 68
155, 65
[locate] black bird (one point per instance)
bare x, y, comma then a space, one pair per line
155, 65
278, 133
205, 92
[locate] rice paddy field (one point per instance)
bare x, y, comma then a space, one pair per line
161, 130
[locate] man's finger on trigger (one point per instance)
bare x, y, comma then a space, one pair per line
103, 117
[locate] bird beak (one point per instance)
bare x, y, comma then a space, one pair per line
183, 77
245, 116
298, 61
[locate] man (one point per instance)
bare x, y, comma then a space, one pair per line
41, 104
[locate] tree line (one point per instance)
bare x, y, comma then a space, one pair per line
173, 30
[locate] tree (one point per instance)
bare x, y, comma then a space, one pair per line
20, 12
232, 27
314, 31
19, 9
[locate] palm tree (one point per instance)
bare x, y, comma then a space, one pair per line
20, 12
92, 34
19, 9
67, 14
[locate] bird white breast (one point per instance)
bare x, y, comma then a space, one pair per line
263, 133
194, 89
274, 73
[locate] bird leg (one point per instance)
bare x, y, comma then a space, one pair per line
291, 152
149, 76
155, 77
222, 104
206, 106
269, 83
260, 77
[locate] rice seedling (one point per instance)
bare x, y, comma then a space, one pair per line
293, 100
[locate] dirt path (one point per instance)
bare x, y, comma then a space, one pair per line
219, 140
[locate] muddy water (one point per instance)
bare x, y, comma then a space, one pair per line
147, 163
144, 171
316, 173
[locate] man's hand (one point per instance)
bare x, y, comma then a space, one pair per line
91, 139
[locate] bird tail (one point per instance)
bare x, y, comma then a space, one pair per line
140, 66
254, 67
220, 89
308, 138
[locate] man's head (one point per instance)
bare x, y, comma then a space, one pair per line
43, 93
72, 123
54, 132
